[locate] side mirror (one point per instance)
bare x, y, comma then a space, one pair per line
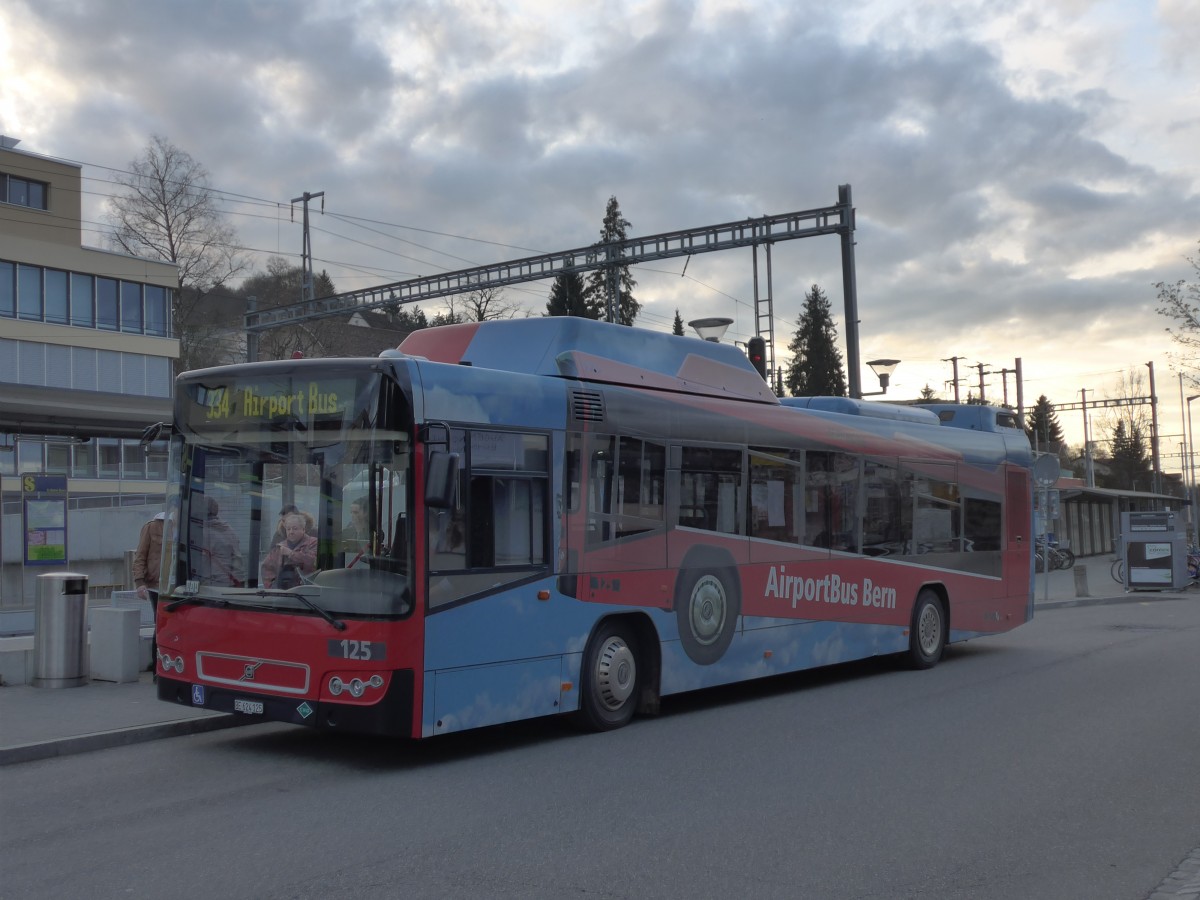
441, 479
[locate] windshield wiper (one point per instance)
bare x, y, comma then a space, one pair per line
315, 607
195, 598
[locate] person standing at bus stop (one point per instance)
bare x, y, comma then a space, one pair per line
147, 560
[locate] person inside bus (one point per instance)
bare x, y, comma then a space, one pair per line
310, 524
293, 557
222, 550
356, 538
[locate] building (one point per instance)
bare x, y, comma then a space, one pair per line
87, 355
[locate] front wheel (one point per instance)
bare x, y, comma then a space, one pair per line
610, 678
1066, 559
927, 636
1118, 571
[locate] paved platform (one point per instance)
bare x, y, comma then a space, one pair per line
40, 723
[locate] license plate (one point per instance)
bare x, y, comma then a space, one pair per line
250, 707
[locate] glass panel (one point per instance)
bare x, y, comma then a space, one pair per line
83, 301
134, 459
156, 310
58, 458
831, 504
18, 191
8, 292
37, 195
131, 306
8, 455
106, 304
29, 456
83, 460
29, 292
156, 461
56, 296
109, 451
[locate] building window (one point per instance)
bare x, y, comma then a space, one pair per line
131, 306
109, 451
107, 304
29, 292
24, 191
156, 310
83, 300
56, 296
8, 290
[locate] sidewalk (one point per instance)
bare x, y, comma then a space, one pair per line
40, 723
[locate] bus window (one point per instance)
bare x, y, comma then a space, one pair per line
884, 531
710, 495
777, 495
832, 500
497, 530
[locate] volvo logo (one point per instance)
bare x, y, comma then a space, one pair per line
249, 670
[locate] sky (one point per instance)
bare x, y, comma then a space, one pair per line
1023, 171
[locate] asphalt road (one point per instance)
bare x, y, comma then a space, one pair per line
1058, 761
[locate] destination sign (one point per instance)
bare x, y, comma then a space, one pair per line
269, 401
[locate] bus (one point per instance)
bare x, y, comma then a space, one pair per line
556, 516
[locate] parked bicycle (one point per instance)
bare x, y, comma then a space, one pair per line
1051, 556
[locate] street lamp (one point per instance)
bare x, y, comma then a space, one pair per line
883, 369
1191, 460
711, 329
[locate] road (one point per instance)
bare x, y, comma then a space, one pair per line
1058, 761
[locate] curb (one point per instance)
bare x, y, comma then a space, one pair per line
120, 737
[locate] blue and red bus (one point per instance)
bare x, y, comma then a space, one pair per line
512, 519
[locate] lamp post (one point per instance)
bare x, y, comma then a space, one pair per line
1191, 453
883, 369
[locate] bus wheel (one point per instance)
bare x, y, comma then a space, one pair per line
610, 678
706, 607
927, 636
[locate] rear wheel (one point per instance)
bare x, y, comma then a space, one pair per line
1118, 571
1066, 559
610, 678
927, 636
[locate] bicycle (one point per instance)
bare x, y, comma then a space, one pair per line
1051, 556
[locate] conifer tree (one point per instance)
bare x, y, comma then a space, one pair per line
596, 292
1042, 427
816, 367
677, 328
567, 297
1129, 464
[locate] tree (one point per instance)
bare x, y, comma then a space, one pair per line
1042, 427
168, 212
1129, 466
479, 305
596, 292
1181, 301
281, 285
816, 367
677, 327
567, 298
928, 395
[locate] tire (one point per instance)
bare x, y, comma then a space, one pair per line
610, 678
1039, 564
927, 636
1118, 571
707, 606
1066, 559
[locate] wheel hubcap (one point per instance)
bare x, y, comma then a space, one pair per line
929, 629
616, 673
708, 609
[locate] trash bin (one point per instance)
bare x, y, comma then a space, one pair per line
60, 631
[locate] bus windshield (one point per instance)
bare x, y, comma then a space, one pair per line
290, 491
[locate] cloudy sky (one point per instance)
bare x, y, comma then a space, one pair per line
1023, 170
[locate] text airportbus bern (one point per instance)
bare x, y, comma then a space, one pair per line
512, 519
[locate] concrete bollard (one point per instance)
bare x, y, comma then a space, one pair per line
1081, 585
116, 644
